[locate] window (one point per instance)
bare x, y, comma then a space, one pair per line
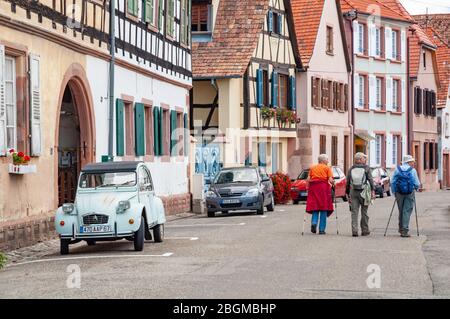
395, 146
362, 34
378, 40
395, 45
201, 15
149, 11
378, 149
326, 94
334, 150
11, 106
425, 156
418, 100
447, 125
396, 95
379, 94
431, 156
265, 79
330, 43
129, 129
323, 144
275, 22
283, 91
315, 97
132, 7
362, 94
424, 60
170, 24
184, 36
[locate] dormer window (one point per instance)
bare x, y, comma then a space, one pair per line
275, 22
201, 23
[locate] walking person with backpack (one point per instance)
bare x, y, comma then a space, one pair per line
404, 182
360, 192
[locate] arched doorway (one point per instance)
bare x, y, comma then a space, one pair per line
75, 132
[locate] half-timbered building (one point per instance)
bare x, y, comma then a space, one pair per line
244, 99
56, 104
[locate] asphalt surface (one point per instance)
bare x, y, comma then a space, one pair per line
245, 255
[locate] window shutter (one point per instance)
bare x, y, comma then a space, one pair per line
346, 97
162, 142
160, 14
389, 102
292, 94
259, 87
356, 90
120, 129
323, 93
148, 11
274, 89
3, 150
403, 45
355, 37
173, 135
139, 127
313, 92
186, 134
270, 21
372, 39
388, 42
373, 92
156, 130
280, 24
415, 101
402, 96
419, 101
35, 103
433, 103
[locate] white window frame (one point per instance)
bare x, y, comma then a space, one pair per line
362, 98
379, 94
378, 42
361, 38
11, 79
394, 44
378, 149
395, 92
395, 140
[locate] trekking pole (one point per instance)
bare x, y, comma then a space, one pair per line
417, 218
390, 216
335, 209
304, 222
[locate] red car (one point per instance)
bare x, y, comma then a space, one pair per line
299, 190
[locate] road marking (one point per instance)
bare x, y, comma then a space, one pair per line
87, 257
204, 225
281, 210
188, 238
264, 216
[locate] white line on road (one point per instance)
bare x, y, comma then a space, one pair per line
204, 225
88, 257
264, 216
175, 238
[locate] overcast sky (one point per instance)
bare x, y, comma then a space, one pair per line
420, 6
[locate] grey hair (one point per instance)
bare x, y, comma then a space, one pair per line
322, 158
359, 156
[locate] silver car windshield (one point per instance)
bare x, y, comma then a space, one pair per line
100, 180
236, 176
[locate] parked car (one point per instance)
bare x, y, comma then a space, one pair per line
114, 200
240, 188
299, 188
382, 181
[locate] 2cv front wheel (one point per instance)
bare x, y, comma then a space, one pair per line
64, 246
139, 237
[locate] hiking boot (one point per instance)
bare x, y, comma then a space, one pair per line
365, 233
405, 235
322, 232
313, 229
355, 234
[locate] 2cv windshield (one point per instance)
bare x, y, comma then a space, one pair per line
108, 179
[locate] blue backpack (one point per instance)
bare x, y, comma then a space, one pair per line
405, 181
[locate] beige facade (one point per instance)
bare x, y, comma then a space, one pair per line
425, 137
324, 128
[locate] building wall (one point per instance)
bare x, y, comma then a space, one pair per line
424, 127
319, 121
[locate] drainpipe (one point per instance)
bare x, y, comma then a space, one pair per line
409, 114
112, 37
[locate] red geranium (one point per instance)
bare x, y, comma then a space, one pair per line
26, 158
282, 186
11, 151
20, 154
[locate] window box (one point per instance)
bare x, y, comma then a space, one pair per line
22, 169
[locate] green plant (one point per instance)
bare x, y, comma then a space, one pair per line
267, 113
3, 260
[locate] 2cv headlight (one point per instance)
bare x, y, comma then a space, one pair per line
68, 208
123, 206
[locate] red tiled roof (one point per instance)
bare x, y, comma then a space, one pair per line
371, 6
235, 37
417, 40
307, 15
439, 22
443, 62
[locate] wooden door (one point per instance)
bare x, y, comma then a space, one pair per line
445, 171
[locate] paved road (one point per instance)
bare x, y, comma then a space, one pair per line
249, 256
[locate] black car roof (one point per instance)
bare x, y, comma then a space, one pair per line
111, 167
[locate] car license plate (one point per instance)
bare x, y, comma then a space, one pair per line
95, 229
231, 201
304, 194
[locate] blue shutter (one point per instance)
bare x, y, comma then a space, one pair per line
156, 138
274, 89
259, 88
270, 21
187, 135
120, 128
292, 94
139, 129
280, 24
